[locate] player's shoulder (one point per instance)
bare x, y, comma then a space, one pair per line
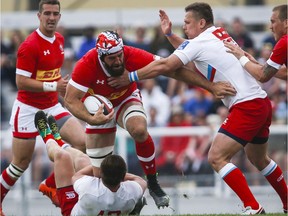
283, 39
281, 43
31, 42
59, 36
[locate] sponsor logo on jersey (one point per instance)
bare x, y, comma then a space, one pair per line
183, 45
70, 195
44, 75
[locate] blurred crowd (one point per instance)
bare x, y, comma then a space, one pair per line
167, 102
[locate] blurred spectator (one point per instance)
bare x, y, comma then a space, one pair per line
41, 165
67, 43
8, 57
140, 39
153, 96
8, 76
121, 32
160, 44
272, 86
221, 23
69, 62
171, 148
88, 42
200, 105
280, 115
269, 39
161, 47
241, 36
5, 148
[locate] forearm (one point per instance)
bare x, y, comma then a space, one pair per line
175, 40
74, 104
86, 171
282, 73
153, 70
138, 179
32, 85
192, 77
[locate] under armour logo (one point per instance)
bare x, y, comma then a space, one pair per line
100, 82
149, 167
47, 52
280, 178
70, 194
225, 121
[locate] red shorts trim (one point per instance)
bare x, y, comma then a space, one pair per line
61, 115
100, 130
25, 135
249, 121
67, 198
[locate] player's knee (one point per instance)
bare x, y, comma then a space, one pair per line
22, 162
139, 132
214, 159
82, 160
61, 155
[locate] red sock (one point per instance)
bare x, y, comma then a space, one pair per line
146, 155
277, 181
50, 181
60, 142
237, 182
8, 181
47, 137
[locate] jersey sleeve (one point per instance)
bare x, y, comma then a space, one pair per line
279, 54
78, 80
134, 189
82, 184
26, 59
136, 58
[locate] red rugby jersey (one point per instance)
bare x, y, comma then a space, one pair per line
89, 73
40, 58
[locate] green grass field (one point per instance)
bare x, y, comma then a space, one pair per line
272, 214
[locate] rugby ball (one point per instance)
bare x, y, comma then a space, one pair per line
93, 102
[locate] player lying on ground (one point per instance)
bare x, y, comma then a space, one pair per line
83, 189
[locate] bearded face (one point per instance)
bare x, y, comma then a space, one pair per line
114, 64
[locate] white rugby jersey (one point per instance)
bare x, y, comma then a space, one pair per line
96, 199
208, 53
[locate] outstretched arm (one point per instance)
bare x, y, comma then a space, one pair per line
189, 75
166, 26
262, 73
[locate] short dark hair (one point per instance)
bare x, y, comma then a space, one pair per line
202, 11
51, 2
113, 170
282, 11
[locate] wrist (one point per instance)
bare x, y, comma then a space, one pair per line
50, 86
243, 60
133, 76
169, 34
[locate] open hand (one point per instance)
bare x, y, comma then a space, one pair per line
62, 84
166, 24
120, 81
222, 89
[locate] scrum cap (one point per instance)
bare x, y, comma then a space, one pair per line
108, 42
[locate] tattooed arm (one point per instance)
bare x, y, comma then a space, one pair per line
262, 73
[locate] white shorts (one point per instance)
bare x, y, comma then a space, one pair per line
110, 127
22, 118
